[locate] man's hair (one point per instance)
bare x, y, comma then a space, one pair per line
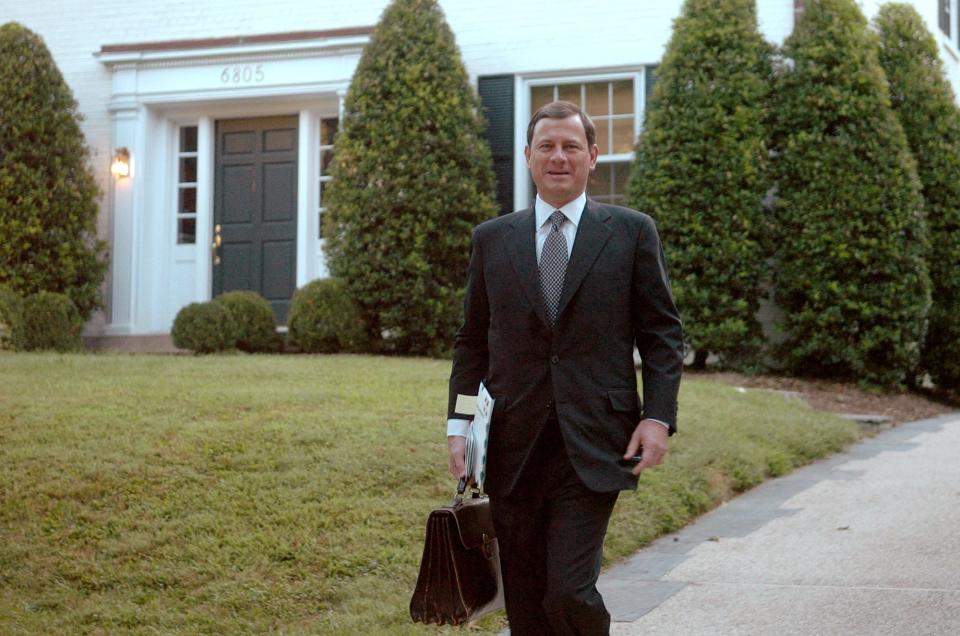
562, 110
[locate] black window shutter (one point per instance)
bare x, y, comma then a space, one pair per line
651, 78
496, 97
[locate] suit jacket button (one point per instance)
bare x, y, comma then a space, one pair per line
555, 359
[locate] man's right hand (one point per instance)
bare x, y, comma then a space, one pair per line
457, 446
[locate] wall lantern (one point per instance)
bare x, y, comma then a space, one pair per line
121, 163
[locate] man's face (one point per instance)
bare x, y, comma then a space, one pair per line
559, 159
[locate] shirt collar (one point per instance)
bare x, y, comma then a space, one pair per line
572, 210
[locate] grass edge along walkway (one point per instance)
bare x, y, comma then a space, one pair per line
287, 494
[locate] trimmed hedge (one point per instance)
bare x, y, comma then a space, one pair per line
324, 319
411, 177
701, 172
851, 269
256, 327
51, 321
204, 328
11, 320
924, 101
48, 197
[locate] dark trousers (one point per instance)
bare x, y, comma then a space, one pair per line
550, 530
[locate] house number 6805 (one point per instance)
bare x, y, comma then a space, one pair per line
242, 74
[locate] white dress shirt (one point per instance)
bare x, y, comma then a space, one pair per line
543, 211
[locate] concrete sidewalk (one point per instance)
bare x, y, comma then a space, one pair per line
864, 543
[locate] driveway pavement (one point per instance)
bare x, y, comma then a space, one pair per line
865, 543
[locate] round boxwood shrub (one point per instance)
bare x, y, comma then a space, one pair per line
204, 328
324, 319
253, 318
11, 320
51, 321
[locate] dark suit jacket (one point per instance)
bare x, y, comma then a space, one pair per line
616, 293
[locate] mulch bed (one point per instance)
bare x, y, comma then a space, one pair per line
840, 398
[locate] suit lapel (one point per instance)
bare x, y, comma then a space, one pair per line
592, 234
522, 247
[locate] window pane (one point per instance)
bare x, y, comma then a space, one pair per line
186, 231
569, 93
188, 170
623, 97
322, 188
601, 180
540, 96
326, 156
623, 135
188, 139
597, 102
328, 129
603, 136
188, 200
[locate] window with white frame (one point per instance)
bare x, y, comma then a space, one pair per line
612, 105
328, 130
187, 185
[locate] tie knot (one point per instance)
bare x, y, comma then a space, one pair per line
557, 219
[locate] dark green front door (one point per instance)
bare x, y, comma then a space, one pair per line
255, 209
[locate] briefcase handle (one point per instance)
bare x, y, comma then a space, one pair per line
462, 488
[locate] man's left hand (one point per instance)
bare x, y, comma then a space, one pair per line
650, 437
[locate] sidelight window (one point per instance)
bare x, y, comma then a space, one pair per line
328, 130
187, 186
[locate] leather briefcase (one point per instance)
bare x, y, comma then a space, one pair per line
459, 578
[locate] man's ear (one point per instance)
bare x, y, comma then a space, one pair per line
594, 153
526, 153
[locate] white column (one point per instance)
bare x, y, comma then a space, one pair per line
307, 170
123, 253
206, 153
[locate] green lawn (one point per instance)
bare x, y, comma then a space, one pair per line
285, 494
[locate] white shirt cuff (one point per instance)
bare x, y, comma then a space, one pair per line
659, 422
457, 427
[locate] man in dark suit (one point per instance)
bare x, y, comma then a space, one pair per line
556, 298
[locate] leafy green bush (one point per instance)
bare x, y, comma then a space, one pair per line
701, 172
412, 176
51, 321
204, 328
924, 101
48, 197
324, 319
253, 318
851, 269
11, 320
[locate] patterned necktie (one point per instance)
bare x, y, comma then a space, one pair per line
553, 266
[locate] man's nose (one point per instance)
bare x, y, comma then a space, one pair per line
557, 155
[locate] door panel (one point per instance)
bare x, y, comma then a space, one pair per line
255, 207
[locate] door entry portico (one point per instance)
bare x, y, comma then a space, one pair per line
255, 209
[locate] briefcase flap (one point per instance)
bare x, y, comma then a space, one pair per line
474, 521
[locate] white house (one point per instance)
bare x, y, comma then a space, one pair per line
226, 110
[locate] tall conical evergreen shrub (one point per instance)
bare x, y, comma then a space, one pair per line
411, 177
924, 101
851, 269
701, 172
48, 198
